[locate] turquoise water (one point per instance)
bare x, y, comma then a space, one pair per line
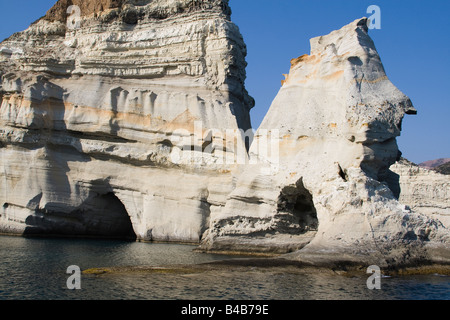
35, 269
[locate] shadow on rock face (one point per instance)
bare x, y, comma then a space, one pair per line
296, 205
100, 216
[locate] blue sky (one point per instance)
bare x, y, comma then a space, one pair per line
413, 42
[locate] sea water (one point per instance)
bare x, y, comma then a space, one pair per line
36, 269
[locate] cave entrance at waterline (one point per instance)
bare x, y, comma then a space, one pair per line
296, 211
102, 216
110, 214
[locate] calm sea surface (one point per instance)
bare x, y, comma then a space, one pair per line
35, 269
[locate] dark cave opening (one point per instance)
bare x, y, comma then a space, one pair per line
296, 210
109, 218
101, 216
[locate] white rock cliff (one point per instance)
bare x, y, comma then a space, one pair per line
121, 112
324, 190
132, 121
425, 191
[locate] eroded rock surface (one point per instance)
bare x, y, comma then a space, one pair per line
124, 104
334, 123
131, 122
423, 190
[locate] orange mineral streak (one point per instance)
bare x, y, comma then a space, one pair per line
303, 58
334, 76
56, 110
333, 125
296, 63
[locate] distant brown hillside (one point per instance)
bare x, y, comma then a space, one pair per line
432, 164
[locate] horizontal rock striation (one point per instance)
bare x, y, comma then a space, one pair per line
121, 104
423, 190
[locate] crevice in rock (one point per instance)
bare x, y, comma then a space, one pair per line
342, 173
98, 136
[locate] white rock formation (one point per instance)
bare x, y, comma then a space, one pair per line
121, 111
131, 122
424, 191
336, 117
